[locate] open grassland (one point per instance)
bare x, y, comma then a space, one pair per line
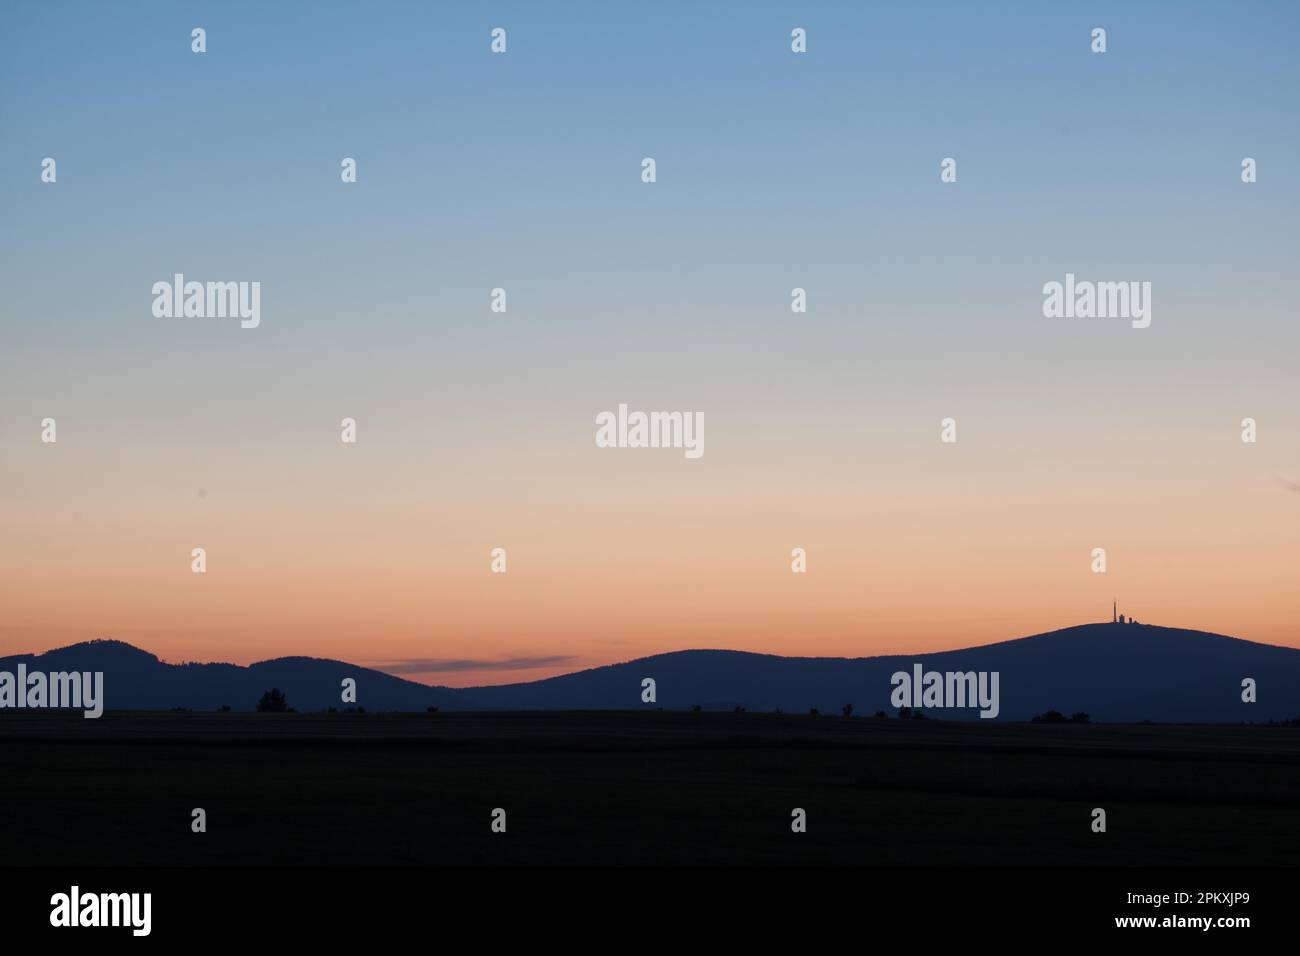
640, 787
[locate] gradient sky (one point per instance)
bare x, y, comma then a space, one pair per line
476, 430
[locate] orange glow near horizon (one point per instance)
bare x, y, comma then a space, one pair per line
799, 273
622, 564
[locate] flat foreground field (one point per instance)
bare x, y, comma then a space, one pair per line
639, 787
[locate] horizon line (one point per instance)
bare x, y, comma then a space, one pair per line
727, 650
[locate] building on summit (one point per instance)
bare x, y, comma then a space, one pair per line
1116, 618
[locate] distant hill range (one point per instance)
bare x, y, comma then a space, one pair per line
1113, 672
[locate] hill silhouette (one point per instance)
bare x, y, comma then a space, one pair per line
137, 680
1119, 673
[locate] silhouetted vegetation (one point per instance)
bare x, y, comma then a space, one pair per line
847, 710
1056, 717
273, 702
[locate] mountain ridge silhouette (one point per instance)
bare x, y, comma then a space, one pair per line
1114, 672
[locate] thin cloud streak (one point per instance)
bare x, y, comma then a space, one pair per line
445, 666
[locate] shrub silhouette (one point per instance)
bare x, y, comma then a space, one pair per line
904, 712
1050, 717
1080, 717
814, 711
272, 702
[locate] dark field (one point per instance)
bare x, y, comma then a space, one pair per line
650, 787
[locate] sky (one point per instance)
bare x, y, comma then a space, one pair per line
475, 429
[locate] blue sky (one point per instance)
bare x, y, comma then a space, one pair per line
775, 170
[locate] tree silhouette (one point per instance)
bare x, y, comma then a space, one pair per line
847, 710
272, 702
